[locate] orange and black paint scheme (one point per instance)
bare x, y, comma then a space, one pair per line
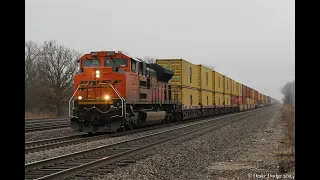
114, 92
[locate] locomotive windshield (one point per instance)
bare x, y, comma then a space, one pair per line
90, 63
115, 62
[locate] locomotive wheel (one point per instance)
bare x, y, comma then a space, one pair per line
167, 119
179, 117
171, 119
122, 129
129, 126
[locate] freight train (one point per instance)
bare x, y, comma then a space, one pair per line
115, 92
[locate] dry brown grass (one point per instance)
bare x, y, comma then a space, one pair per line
30, 115
289, 120
288, 152
38, 113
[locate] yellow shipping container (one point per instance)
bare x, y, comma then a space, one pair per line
187, 96
262, 98
185, 73
248, 101
205, 98
239, 89
234, 87
251, 101
250, 104
227, 85
227, 99
252, 93
218, 98
217, 82
204, 77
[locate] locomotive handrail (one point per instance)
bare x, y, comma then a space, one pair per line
115, 90
72, 99
122, 99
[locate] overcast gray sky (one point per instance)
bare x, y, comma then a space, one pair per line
252, 41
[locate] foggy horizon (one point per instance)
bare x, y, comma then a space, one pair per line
252, 42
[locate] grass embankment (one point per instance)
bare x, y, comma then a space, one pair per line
287, 155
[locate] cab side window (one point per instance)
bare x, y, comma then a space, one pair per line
133, 65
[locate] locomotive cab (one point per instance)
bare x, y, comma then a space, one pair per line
99, 91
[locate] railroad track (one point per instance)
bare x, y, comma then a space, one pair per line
52, 143
41, 145
43, 124
75, 163
46, 144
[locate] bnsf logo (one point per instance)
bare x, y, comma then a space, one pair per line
93, 83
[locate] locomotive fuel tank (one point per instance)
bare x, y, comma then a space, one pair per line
151, 117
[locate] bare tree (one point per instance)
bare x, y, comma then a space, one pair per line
57, 66
149, 60
32, 52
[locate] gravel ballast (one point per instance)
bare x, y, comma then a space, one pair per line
234, 151
50, 133
37, 156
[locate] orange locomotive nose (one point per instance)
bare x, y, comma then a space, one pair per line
99, 88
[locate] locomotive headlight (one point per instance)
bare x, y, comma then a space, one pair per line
79, 97
97, 73
106, 97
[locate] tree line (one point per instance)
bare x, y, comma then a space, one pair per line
49, 71
288, 91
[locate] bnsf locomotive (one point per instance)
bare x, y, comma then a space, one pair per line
114, 92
